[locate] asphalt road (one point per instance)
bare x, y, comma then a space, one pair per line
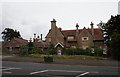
54, 70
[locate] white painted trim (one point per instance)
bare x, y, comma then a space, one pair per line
60, 44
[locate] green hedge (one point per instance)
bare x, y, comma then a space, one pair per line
80, 51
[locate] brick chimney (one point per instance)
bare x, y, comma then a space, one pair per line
92, 29
77, 31
36, 39
53, 24
53, 31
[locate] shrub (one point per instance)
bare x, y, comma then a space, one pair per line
87, 51
97, 51
73, 51
36, 50
24, 50
51, 50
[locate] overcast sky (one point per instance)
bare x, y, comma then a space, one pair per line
35, 17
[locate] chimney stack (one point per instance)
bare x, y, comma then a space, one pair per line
53, 31
41, 36
77, 31
34, 35
92, 30
53, 24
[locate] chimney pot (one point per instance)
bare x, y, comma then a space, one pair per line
38, 37
92, 23
41, 36
34, 35
77, 25
54, 19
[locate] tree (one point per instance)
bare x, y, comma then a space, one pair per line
9, 33
111, 31
114, 46
113, 25
30, 45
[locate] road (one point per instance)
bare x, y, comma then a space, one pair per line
54, 70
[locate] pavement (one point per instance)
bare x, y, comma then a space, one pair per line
107, 63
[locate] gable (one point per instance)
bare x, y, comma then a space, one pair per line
84, 33
59, 33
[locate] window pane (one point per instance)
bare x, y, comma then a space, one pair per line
70, 37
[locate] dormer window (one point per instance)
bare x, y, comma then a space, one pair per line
70, 37
84, 38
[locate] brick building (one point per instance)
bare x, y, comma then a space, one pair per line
83, 38
13, 46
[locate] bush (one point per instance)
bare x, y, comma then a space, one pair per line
24, 50
97, 51
73, 51
36, 50
51, 50
80, 51
87, 51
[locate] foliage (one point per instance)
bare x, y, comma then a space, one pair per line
24, 50
80, 51
113, 25
30, 46
36, 50
111, 31
114, 46
9, 33
74, 51
97, 51
51, 50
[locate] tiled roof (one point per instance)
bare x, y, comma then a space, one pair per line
97, 33
39, 44
20, 40
16, 42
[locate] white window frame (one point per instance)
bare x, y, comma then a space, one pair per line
83, 39
70, 38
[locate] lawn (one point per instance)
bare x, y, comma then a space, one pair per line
77, 57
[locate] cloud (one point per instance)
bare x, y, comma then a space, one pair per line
31, 17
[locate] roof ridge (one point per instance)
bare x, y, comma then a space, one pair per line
20, 39
79, 29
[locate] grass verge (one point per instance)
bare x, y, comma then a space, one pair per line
77, 57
